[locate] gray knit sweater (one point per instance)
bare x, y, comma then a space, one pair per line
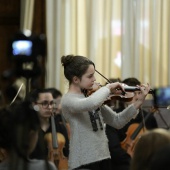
88, 146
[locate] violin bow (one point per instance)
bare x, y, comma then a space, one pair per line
127, 88
108, 81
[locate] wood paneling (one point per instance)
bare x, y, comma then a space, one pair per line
9, 25
39, 28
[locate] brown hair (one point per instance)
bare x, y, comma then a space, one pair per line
131, 81
75, 66
147, 145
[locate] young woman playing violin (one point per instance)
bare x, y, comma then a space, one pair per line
86, 115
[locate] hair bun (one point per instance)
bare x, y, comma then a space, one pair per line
65, 60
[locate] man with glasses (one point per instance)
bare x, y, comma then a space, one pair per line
43, 102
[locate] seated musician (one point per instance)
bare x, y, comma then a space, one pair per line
120, 158
59, 118
43, 102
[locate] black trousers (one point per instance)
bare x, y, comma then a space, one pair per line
101, 165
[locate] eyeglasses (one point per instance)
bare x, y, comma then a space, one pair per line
46, 104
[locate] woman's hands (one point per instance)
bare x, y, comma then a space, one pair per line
144, 90
116, 88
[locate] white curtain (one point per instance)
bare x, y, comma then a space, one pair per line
145, 41
27, 13
124, 38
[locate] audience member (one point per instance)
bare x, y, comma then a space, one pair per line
160, 159
149, 143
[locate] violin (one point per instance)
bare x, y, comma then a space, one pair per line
119, 95
55, 144
126, 88
133, 133
127, 97
56, 155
